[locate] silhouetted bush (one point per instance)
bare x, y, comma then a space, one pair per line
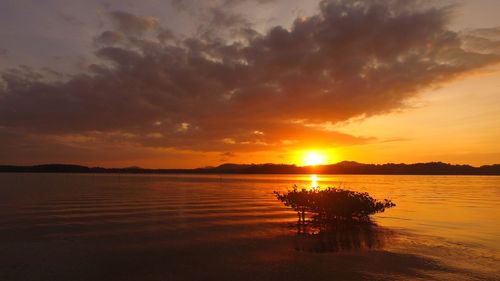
332, 204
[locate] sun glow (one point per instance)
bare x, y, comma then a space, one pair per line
313, 158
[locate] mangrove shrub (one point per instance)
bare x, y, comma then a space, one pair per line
332, 204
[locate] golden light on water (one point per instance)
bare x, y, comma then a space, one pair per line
314, 181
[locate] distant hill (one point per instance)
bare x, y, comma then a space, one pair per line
345, 167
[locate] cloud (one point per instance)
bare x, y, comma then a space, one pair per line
109, 37
482, 40
216, 18
130, 23
352, 59
184, 5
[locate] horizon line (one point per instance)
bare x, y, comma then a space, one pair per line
247, 164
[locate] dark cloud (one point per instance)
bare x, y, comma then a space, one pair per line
129, 23
165, 34
264, 92
131, 30
109, 37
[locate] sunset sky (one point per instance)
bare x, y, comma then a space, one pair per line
172, 83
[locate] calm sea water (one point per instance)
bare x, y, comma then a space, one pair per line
210, 227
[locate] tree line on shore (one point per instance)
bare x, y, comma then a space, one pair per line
346, 167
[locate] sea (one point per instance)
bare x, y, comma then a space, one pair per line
232, 227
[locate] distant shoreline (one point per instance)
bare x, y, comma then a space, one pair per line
346, 167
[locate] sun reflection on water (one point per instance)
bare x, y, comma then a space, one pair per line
314, 181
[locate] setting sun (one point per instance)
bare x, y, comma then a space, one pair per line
313, 158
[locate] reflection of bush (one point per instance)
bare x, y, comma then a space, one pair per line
341, 236
332, 204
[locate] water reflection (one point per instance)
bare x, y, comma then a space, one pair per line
314, 181
341, 236
211, 227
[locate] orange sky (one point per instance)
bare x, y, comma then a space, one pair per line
203, 83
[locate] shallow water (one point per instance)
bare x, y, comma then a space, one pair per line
230, 227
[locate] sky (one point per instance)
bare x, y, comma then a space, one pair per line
181, 84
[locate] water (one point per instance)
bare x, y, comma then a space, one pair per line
211, 227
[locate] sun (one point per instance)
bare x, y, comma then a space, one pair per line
313, 158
